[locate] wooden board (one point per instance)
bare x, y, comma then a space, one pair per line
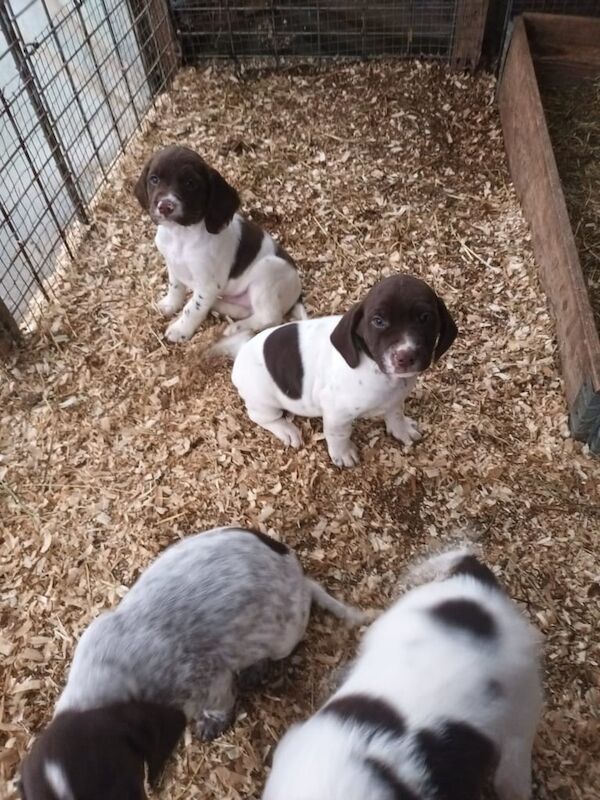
564, 44
471, 16
535, 175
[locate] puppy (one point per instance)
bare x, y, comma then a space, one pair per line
209, 608
361, 364
227, 262
444, 693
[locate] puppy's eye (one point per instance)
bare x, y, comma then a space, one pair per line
189, 183
154, 179
379, 322
424, 316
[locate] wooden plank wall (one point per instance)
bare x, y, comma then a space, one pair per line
535, 175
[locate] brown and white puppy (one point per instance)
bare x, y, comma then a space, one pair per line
361, 364
208, 610
227, 262
444, 694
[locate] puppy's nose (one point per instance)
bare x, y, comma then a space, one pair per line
405, 359
166, 207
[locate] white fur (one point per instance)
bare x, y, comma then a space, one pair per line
58, 781
200, 262
428, 674
331, 389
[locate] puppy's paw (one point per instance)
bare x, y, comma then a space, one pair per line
167, 307
213, 724
287, 433
179, 331
404, 429
345, 455
236, 327
256, 675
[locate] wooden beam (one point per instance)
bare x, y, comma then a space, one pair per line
9, 330
156, 40
471, 16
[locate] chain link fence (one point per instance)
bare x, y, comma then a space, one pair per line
76, 79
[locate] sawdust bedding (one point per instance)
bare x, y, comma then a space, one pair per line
115, 445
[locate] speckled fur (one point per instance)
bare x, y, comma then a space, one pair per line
207, 608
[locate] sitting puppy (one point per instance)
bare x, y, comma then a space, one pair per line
227, 262
361, 364
207, 609
445, 693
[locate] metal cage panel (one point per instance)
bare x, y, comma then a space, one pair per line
76, 78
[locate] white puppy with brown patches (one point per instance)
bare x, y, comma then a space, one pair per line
226, 261
445, 692
362, 364
209, 609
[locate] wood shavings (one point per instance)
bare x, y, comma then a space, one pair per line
114, 445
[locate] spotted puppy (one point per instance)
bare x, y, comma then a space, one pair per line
227, 262
209, 608
361, 364
445, 693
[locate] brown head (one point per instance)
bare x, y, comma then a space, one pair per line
101, 753
401, 324
177, 185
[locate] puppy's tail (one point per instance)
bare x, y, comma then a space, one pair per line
229, 346
298, 312
350, 615
460, 561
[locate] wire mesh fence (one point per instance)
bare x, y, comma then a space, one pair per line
76, 78
323, 28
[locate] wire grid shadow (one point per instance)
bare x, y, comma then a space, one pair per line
76, 79
321, 28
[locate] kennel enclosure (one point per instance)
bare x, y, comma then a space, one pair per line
78, 77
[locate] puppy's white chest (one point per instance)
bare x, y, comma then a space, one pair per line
183, 249
371, 393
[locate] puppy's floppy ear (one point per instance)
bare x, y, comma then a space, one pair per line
152, 731
140, 189
448, 330
223, 202
343, 337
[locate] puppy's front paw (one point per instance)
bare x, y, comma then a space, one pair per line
167, 307
345, 455
404, 429
213, 724
236, 327
179, 331
288, 433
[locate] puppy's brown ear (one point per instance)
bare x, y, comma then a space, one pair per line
140, 189
448, 330
153, 731
223, 202
343, 337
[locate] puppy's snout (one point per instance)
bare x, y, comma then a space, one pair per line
405, 359
165, 207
